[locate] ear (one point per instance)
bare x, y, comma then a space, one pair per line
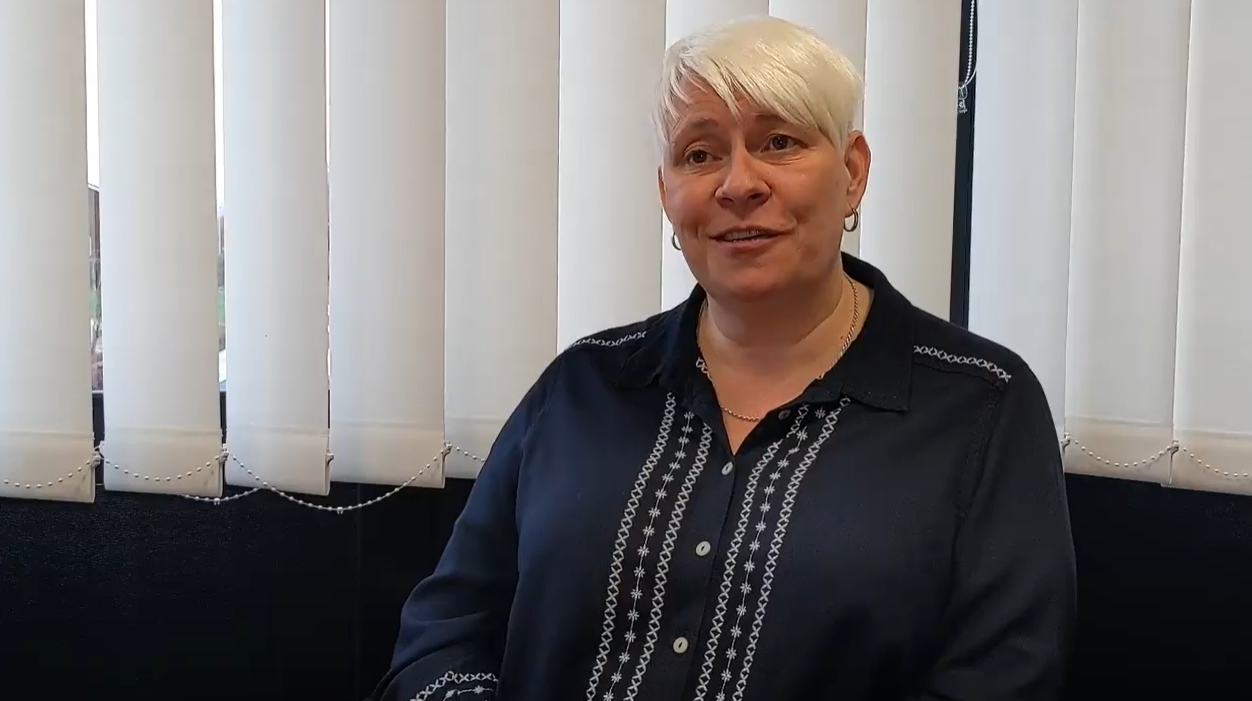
660, 186
856, 158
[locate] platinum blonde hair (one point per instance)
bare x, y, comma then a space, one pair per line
777, 65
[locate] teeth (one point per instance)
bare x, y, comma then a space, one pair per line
741, 235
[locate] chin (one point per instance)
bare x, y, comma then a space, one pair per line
747, 286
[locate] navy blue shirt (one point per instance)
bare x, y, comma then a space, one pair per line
898, 531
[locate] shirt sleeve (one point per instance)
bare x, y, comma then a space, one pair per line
452, 627
1013, 604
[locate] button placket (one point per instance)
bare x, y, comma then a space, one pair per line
692, 576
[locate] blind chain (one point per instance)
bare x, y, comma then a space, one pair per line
97, 458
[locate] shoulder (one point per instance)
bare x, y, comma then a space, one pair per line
599, 356
988, 388
943, 347
606, 352
625, 338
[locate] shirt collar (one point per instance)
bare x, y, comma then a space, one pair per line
876, 370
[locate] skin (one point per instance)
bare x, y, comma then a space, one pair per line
778, 312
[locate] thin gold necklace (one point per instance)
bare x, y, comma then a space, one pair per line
847, 342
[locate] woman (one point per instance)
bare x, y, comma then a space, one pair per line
795, 485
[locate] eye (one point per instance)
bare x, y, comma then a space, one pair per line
781, 142
696, 157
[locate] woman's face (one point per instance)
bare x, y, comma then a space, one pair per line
758, 204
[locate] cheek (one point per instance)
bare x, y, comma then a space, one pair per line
823, 230
818, 199
685, 208
818, 209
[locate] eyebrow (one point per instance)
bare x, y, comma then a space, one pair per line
769, 118
706, 122
686, 130
695, 125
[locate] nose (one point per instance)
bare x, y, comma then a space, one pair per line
742, 189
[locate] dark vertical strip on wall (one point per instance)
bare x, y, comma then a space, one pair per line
959, 313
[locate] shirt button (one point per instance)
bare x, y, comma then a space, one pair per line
680, 645
728, 468
703, 548
784, 414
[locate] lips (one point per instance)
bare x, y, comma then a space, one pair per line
746, 234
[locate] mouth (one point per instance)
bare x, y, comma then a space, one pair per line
746, 234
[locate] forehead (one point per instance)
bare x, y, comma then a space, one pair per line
705, 109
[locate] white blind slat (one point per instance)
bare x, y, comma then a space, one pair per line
387, 249
45, 381
683, 17
1131, 91
501, 219
841, 23
609, 266
1213, 414
1023, 163
912, 60
158, 237
276, 242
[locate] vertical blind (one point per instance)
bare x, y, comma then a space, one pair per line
1109, 234
46, 439
501, 213
387, 195
276, 241
158, 244
912, 61
372, 224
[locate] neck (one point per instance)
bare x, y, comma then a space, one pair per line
803, 329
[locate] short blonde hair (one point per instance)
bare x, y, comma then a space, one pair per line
780, 66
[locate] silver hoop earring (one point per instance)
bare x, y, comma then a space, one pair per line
673, 241
856, 221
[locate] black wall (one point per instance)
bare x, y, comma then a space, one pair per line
142, 596
147, 596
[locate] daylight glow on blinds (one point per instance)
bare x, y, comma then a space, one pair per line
1023, 162
158, 256
1123, 286
387, 249
609, 267
841, 23
502, 220
1213, 411
912, 60
45, 380
276, 241
683, 17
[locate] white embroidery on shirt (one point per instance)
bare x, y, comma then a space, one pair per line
482, 684
750, 565
636, 592
619, 546
732, 559
964, 360
775, 547
667, 551
608, 342
633, 649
